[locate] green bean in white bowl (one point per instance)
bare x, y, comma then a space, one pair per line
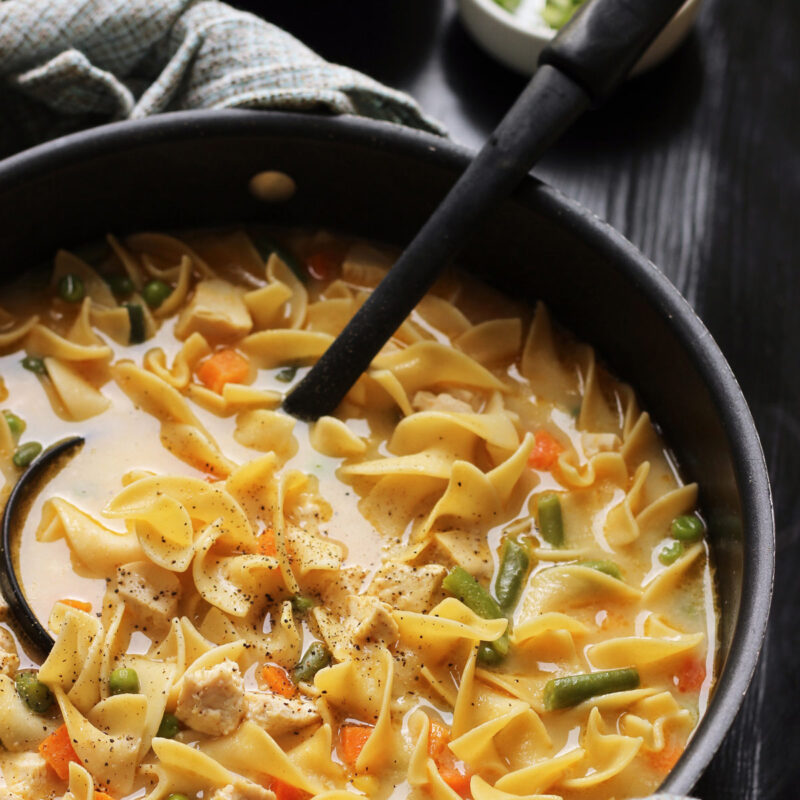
516, 31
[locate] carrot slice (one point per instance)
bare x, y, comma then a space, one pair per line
324, 264
58, 752
285, 791
278, 680
665, 759
267, 544
225, 366
352, 739
438, 738
457, 780
691, 674
79, 604
546, 450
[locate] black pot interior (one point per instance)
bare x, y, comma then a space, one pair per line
371, 180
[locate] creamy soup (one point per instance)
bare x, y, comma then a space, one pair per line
484, 577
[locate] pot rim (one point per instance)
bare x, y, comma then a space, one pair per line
749, 465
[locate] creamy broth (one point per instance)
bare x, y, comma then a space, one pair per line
481, 434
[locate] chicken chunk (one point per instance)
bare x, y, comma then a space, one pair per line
212, 700
243, 790
28, 777
372, 621
9, 660
150, 592
278, 715
217, 311
407, 588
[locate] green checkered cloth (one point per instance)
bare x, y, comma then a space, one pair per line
69, 64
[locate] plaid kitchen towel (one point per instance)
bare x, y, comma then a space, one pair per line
69, 64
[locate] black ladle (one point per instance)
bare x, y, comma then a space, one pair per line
21, 496
582, 65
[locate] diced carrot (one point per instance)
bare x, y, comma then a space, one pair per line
285, 791
102, 795
546, 449
58, 752
278, 680
457, 780
690, 675
324, 264
665, 759
438, 738
225, 366
79, 604
267, 544
352, 739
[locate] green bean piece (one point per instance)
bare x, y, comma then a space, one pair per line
508, 5
515, 562
574, 689
314, 659
266, 246
286, 375
120, 285
71, 289
551, 523
25, 453
670, 553
155, 292
169, 727
33, 692
463, 586
607, 567
34, 364
488, 656
123, 680
177, 796
137, 324
687, 528
302, 604
15, 424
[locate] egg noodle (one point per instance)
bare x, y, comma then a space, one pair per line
482, 577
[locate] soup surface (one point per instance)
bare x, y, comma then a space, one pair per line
483, 577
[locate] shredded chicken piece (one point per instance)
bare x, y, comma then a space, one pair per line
278, 715
212, 700
407, 588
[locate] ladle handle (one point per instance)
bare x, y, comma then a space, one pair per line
546, 108
602, 42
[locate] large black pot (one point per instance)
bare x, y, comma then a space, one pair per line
381, 181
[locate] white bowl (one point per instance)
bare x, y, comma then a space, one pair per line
517, 42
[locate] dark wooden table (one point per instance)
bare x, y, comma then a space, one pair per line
698, 163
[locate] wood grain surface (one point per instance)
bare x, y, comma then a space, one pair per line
698, 163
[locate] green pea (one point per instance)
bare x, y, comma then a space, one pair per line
15, 424
123, 680
120, 285
71, 289
687, 528
169, 727
34, 693
25, 453
34, 364
177, 796
156, 292
302, 604
286, 375
670, 553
